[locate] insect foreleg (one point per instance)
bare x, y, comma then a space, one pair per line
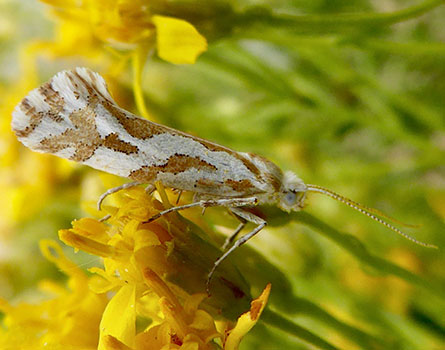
248, 217
205, 203
116, 189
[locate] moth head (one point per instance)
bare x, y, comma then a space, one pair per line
293, 193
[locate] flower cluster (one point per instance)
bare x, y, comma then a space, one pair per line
122, 24
146, 295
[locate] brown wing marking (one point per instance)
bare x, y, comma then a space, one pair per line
137, 127
113, 142
175, 164
239, 186
85, 138
35, 118
54, 100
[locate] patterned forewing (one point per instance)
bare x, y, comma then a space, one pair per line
73, 116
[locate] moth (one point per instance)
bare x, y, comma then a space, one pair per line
73, 116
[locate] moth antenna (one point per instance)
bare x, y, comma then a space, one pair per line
343, 199
369, 212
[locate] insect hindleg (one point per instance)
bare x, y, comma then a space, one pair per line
248, 217
222, 202
114, 190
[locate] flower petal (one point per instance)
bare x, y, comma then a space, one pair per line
247, 320
177, 40
119, 318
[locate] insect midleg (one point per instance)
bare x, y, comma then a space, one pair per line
114, 190
222, 202
179, 197
229, 240
248, 217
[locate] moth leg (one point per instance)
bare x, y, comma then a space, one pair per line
229, 240
248, 217
179, 196
105, 218
150, 189
205, 203
114, 190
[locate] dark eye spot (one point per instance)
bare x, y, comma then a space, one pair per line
290, 197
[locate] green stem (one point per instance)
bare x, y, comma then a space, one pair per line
428, 49
331, 21
139, 57
273, 319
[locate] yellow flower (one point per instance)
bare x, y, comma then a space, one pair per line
177, 40
168, 247
68, 319
164, 261
138, 300
247, 320
123, 24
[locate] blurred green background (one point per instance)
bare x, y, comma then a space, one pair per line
349, 100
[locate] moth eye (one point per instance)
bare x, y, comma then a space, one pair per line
290, 197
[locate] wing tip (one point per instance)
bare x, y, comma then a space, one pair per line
66, 89
74, 78
25, 111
